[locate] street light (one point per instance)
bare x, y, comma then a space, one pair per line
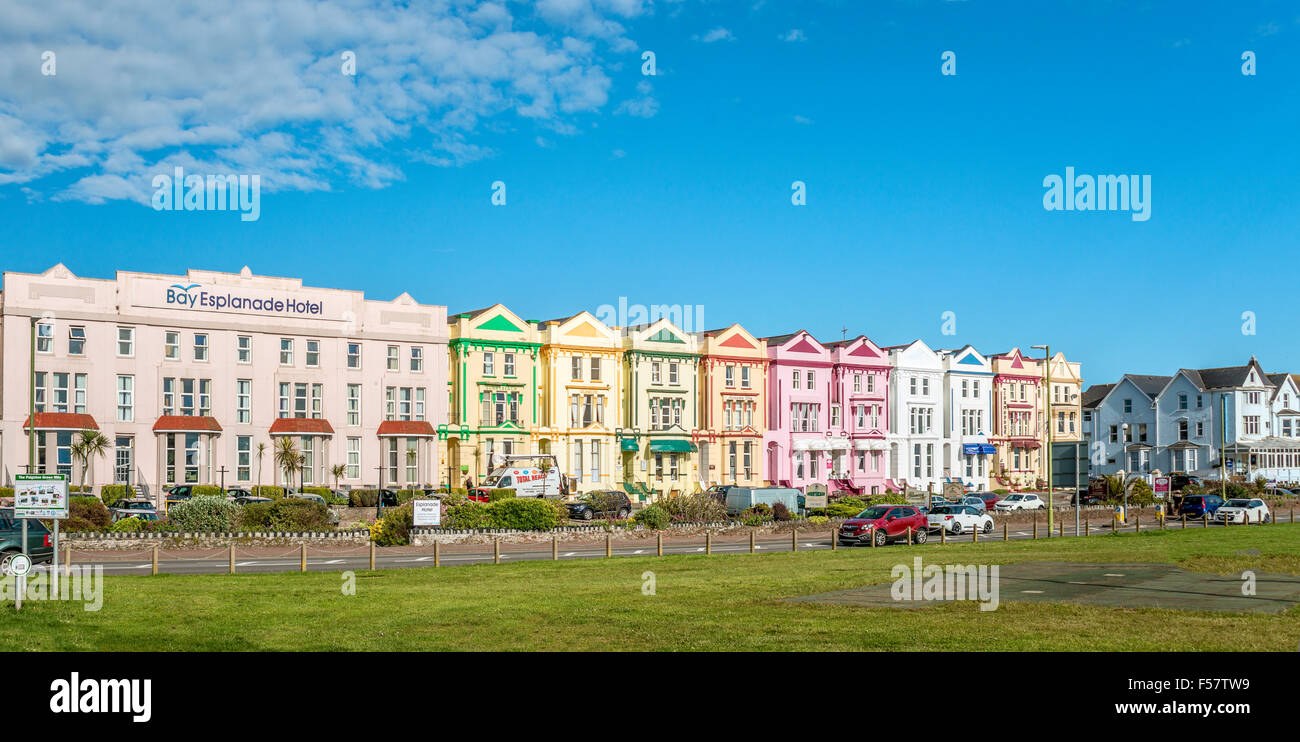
1047, 404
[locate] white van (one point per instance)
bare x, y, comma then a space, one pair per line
529, 475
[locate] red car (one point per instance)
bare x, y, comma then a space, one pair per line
990, 499
885, 523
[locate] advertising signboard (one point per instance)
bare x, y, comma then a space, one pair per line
40, 496
427, 512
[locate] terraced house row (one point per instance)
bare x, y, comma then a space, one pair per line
193, 379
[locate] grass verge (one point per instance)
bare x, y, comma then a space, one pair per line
718, 602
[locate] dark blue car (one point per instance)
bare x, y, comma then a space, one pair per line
1196, 506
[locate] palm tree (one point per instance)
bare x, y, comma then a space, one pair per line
261, 451
287, 458
90, 444
338, 470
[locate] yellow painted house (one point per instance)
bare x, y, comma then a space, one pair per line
1065, 414
660, 411
492, 390
733, 407
580, 389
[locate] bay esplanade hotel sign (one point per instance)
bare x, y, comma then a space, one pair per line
184, 295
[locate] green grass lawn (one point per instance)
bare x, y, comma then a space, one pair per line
719, 602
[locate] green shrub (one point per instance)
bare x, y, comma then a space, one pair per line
696, 508
204, 514
405, 496
322, 491
285, 515
1001, 493
523, 514
363, 498
128, 525
780, 512
468, 514
207, 490
817, 520
6, 492
92, 510
111, 493
394, 529
274, 493
73, 524
653, 516
500, 494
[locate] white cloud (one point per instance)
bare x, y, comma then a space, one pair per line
792, 35
802, 119
644, 107
258, 87
717, 34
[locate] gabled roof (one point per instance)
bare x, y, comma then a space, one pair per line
1150, 385
1093, 395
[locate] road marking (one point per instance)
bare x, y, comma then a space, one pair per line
143, 566
245, 564
1033, 592
569, 553
1111, 574
756, 546
700, 549
424, 559
332, 561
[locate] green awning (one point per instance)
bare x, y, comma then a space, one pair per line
628, 444
671, 446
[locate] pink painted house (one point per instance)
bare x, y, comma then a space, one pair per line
859, 415
827, 413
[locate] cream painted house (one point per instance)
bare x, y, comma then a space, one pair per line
733, 407
579, 391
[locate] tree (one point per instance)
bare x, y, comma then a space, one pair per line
261, 451
287, 458
338, 470
89, 445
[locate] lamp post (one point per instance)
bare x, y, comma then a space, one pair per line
1047, 404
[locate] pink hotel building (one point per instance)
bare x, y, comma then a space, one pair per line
186, 376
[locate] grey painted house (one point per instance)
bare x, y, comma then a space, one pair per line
1181, 423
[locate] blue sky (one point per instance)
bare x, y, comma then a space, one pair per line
924, 191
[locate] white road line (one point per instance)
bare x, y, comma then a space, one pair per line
143, 566
424, 559
639, 551
332, 561
569, 553
1033, 592
245, 564
1111, 574
700, 549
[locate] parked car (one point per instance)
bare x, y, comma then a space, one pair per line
1243, 510
1197, 506
1088, 496
740, 499
611, 503
974, 502
959, 519
39, 546
135, 508
235, 493
388, 498
1021, 501
990, 499
1281, 492
251, 499
884, 523
1179, 481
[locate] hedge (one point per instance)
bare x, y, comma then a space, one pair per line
653, 516
204, 513
500, 494
89, 511
363, 498
273, 493
285, 515
207, 490
6, 491
111, 493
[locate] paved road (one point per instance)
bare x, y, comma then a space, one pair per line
452, 556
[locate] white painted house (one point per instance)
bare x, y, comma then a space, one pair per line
916, 401
967, 416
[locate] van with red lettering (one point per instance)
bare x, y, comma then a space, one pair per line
529, 475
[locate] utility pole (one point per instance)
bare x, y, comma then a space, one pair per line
222, 472
1047, 405
1223, 443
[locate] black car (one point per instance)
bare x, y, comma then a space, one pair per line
39, 547
237, 492
604, 503
387, 498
